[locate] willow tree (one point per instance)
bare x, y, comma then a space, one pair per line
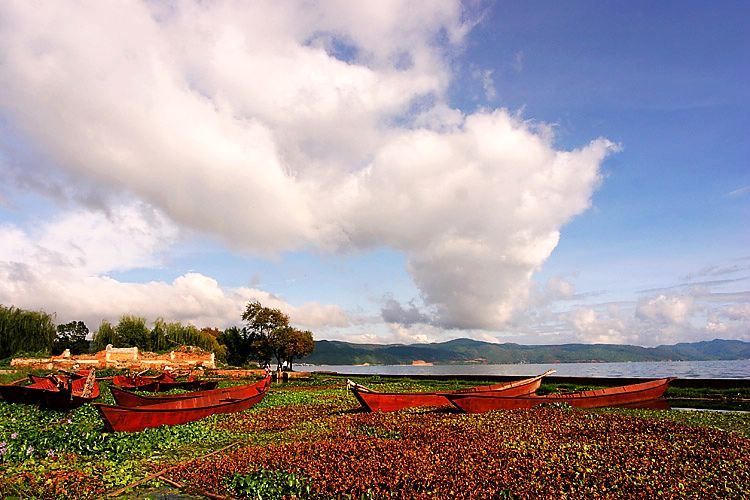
131, 331
104, 335
159, 341
166, 336
24, 331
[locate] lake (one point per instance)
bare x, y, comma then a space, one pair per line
646, 369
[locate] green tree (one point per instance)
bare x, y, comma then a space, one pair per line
287, 344
237, 345
104, 335
159, 340
213, 332
262, 326
276, 342
25, 331
131, 331
297, 345
166, 336
71, 336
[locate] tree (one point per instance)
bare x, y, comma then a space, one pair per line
265, 336
104, 335
71, 336
25, 331
132, 331
287, 344
276, 343
237, 344
298, 344
213, 332
261, 325
159, 341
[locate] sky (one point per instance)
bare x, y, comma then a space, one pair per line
382, 172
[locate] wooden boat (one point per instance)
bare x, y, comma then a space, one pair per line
124, 419
161, 383
130, 400
394, 401
597, 398
54, 392
140, 380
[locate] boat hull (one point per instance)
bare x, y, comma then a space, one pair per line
135, 419
123, 419
189, 385
131, 400
43, 392
390, 401
22, 394
161, 383
598, 398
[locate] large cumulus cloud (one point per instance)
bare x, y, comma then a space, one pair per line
286, 125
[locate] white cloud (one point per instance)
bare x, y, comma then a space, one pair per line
695, 314
62, 268
190, 298
665, 309
476, 211
559, 289
737, 193
488, 83
87, 243
603, 327
281, 126
730, 322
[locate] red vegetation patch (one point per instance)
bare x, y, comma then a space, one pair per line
53, 484
527, 454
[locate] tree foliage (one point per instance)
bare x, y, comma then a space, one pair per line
298, 344
287, 344
71, 336
132, 331
265, 336
261, 321
238, 345
167, 336
264, 325
104, 335
25, 331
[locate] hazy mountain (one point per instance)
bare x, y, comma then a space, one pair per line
473, 351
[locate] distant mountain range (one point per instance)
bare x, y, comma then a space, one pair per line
466, 351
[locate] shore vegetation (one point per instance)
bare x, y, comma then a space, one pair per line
309, 439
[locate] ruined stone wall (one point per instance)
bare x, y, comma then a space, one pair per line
184, 358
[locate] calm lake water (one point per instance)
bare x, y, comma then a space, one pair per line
651, 369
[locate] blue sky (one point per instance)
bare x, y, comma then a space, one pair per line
525, 172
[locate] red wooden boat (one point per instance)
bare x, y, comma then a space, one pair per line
124, 419
394, 401
130, 400
597, 398
161, 383
54, 392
